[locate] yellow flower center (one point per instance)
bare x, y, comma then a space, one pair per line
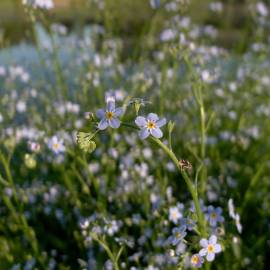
214, 215
210, 248
195, 259
109, 115
174, 215
178, 235
56, 146
151, 125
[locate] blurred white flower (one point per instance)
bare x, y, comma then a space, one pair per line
44, 4
56, 145
21, 106
262, 9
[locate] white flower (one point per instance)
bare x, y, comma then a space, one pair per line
238, 223
151, 267
262, 9
210, 248
231, 208
21, 106
167, 35
2, 71
112, 227
174, 214
56, 145
44, 4
234, 216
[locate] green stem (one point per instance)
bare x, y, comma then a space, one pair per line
113, 258
18, 215
191, 187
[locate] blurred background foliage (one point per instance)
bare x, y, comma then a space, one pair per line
128, 18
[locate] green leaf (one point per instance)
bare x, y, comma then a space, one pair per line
85, 142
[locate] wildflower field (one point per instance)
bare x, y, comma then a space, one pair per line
134, 134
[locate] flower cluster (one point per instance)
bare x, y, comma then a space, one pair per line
149, 125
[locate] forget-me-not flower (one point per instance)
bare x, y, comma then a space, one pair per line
109, 116
188, 222
214, 216
150, 125
175, 213
196, 260
56, 145
178, 234
210, 248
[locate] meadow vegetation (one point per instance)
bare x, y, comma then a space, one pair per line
134, 135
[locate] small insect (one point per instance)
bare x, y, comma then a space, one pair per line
185, 165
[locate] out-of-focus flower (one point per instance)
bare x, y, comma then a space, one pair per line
56, 145
234, 216
150, 125
216, 6
210, 248
2, 71
112, 227
178, 235
262, 9
43, 4
175, 213
238, 223
21, 106
155, 3
196, 260
34, 147
188, 222
214, 216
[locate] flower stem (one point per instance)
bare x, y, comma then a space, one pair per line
188, 182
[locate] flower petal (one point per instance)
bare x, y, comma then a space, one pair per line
118, 111
144, 133
110, 105
114, 123
161, 122
103, 124
204, 242
152, 117
210, 257
218, 248
203, 252
212, 239
219, 210
156, 132
140, 121
100, 113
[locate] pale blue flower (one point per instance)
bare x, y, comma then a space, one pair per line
178, 234
150, 125
210, 248
196, 260
214, 216
188, 222
175, 213
155, 3
109, 116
